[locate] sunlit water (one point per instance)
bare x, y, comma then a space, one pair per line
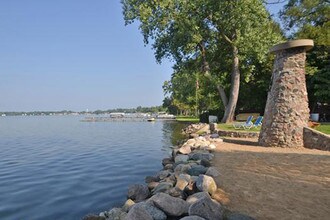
56, 167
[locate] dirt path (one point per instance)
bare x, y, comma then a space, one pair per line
274, 183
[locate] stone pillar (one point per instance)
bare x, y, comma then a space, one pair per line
287, 111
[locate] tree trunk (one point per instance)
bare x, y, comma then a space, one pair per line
234, 90
222, 95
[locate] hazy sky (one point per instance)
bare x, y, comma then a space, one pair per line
74, 55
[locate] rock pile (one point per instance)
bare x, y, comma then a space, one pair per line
183, 189
193, 128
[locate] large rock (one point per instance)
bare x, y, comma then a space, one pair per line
149, 179
212, 171
193, 217
196, 170
238, 216
206, 208
185, 149
162, 187
181, 158
152, 185
181, 168
205, 163
166, 161
200, 156
93, 217
206, 184
182, 181
138, 192
128, 205
155, 212
170, 205
116, 214
195, 197
138, 213
163, 174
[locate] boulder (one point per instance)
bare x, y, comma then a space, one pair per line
182, 181
168, 167
185, 149
205, 163
206, 184
116, 214
193, 217
212, 171
214, 136
155, 212
166, 161
196, 170
138, 192
128, 205
200, 156
149, 179
163, 174
181, 168
195, 197
175, 192
211, 147
138, 213
170, 205
162, 187
152, 185
238, 216
181, 158
190, 141
206, 208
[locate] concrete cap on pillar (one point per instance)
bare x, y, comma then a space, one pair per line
306, 43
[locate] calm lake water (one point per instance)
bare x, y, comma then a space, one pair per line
56, 167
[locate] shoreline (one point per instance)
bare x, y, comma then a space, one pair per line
184, 189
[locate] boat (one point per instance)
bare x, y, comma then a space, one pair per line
151, 119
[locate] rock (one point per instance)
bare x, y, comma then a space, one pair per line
200, 156
238, 216
206, 208
181, 158
162, 187
212, 171
182, 181
170, 205
168, 167
93, 217
181, 168
193, 217
149, 179
205, 163
138, 192
138, 213
214, 136
155, 212
166, 161
193, 135
211, 147
221, 196
185, 149
190, 141
116, 214
195, 197
128, 205
206, 184
196, 170
152, 185
163, 174
175, 192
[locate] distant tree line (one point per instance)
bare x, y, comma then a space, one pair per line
139, 109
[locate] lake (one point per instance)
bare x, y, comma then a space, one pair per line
56, 167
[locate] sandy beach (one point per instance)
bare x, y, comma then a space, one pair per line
274, 183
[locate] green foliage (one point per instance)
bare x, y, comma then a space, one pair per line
187, 119
324, 128
203, 34
311, 19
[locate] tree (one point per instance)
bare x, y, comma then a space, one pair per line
198, 30
311, 19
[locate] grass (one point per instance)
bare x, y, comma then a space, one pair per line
187, 119
230, 127
324, 128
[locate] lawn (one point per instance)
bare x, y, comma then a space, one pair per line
187, 119
230, 127
324, 128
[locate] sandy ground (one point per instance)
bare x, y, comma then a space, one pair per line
274, 183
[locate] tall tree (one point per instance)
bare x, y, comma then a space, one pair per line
311, 19
183, 30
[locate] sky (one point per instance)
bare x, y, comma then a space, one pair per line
75, 55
